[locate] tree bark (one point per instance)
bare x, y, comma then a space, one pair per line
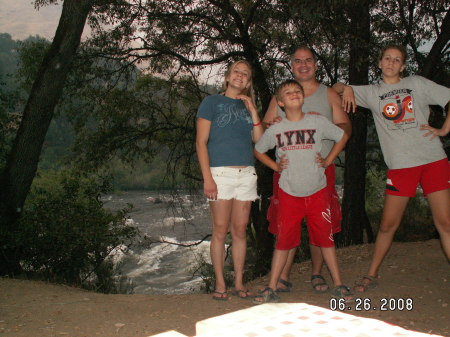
355, 219
21, 166
430, 70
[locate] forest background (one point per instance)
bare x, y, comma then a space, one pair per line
117, 111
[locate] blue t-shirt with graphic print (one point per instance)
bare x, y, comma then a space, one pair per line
230, 137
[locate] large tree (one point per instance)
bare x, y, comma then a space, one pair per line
21, 165
355, 219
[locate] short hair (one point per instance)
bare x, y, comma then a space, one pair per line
398, 47
303, 47
285, 84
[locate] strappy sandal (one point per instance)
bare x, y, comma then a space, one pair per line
317, 286
343, 292
268, 295
365, 283
287, 284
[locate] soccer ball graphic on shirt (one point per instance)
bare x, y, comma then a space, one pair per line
407, 104
390, 111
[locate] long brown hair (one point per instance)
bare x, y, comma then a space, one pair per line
247, 91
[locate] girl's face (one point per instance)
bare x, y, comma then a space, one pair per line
391, 64
239, 77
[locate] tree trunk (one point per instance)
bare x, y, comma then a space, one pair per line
263, 239
433, 63
22, 162
355, 219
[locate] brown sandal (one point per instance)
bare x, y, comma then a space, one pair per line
365, 283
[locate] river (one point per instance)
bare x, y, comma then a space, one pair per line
164, 268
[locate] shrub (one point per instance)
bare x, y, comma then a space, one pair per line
67, 236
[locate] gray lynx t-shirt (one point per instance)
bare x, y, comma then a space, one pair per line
317, 102
399, 110
300, 141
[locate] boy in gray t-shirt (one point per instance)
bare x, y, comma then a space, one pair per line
298, 138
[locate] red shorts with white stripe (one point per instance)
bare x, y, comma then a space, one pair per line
335, 207
315, 208
432, 177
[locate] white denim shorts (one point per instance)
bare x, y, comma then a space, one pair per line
235, 183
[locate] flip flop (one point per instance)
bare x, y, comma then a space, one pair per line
287, 284
316, 286
371, 283
223, 296
244, 294
268, 295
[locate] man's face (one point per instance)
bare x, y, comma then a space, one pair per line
303, 65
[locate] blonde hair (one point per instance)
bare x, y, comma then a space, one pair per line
247, 91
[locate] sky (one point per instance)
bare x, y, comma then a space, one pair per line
20, 19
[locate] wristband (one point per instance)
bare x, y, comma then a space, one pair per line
256, 124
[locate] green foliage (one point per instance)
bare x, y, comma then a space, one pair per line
65, 233
375, 186
8, 56
31, 54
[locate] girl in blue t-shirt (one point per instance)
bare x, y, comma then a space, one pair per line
227, 124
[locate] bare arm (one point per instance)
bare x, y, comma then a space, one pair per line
334, 152
348, 96
443, 131
271, 113
340, 118
258, 128
209, 185
269, 162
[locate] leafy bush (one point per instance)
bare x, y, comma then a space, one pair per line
65, 233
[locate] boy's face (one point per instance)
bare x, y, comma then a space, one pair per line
290, 97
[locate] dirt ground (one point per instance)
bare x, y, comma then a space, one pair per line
418, 271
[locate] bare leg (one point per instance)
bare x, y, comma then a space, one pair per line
239, 220
221, 213
317, 260
329, 255
286, 272
278, 263
440, 209
394, 207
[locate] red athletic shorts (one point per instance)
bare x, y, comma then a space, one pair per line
336, 213
432, 177
291, 211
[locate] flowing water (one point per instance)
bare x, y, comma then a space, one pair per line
164, 268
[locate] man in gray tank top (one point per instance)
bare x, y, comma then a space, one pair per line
319, 99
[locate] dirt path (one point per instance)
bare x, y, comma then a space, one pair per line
418, 271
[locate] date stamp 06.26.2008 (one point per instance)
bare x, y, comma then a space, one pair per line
368, 304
